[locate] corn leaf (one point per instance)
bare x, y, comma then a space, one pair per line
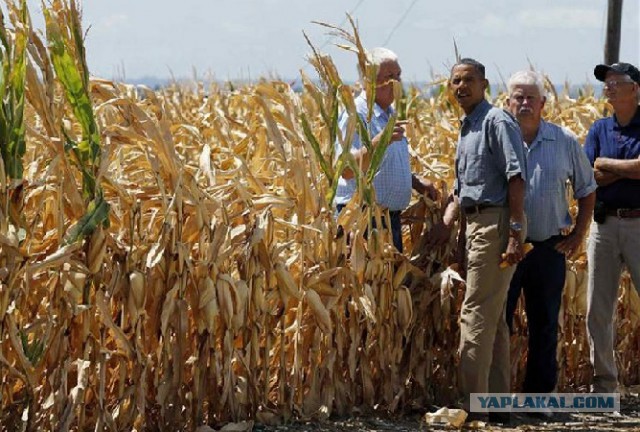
326, 168
381, 148
97, 214
12, 92
74, 78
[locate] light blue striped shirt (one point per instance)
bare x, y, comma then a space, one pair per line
554, 158
392, 183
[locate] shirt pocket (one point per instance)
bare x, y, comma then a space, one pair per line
475, 169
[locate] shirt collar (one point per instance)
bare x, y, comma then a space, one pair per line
635, 120
544, 132
377, 109
379, 112
478, 112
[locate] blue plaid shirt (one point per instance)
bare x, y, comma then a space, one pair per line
553, 159
392, 183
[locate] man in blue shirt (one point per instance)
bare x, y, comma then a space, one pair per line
490, 190
393, 181
554, 157
613, 147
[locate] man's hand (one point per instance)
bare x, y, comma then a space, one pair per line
515, 252
623, 168
601, 164
399, 129
363, 156
424, 187
570, 244
397, 135
604, 178
441, 232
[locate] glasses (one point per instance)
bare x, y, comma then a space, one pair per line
614, 83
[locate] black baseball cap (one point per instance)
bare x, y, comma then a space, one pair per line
622, 68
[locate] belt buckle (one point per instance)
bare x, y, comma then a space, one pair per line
621, 213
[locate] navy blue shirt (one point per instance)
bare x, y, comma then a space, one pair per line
607, 138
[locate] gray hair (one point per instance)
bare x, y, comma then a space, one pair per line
527, 77
380, 55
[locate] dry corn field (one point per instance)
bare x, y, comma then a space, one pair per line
170, 259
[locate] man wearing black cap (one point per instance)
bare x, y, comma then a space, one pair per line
613, 147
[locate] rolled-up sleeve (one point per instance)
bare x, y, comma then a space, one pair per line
508, 148
583, 180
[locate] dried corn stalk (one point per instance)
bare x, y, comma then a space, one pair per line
221, 290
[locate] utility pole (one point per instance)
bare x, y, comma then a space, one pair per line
614, 24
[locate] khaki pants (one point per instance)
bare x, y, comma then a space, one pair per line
611, 244
484, 335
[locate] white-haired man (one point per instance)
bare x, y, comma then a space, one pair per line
613, 147
554, 157
394, 181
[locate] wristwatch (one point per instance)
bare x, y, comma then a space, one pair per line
515, 226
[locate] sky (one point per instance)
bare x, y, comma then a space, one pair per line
248, 39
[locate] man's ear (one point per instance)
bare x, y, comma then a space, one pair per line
544, 101
485, 83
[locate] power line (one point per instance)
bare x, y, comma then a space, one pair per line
399, 23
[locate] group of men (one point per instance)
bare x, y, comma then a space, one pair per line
512, 168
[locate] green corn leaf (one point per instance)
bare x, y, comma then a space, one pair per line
88, 179
12, 91
32, 350
381, 148
16, 146
66, 49
367, 191
363, 131
331, 194
76, 32
75, 85
334, 120
346, 96
345, 160
97, 214
326, 168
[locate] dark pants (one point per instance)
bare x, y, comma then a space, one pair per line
396, 226
541, 275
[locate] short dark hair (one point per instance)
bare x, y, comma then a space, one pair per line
479, 67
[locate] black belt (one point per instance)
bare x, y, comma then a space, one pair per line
624, 213
477, 208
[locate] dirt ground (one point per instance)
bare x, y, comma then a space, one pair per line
628, 419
